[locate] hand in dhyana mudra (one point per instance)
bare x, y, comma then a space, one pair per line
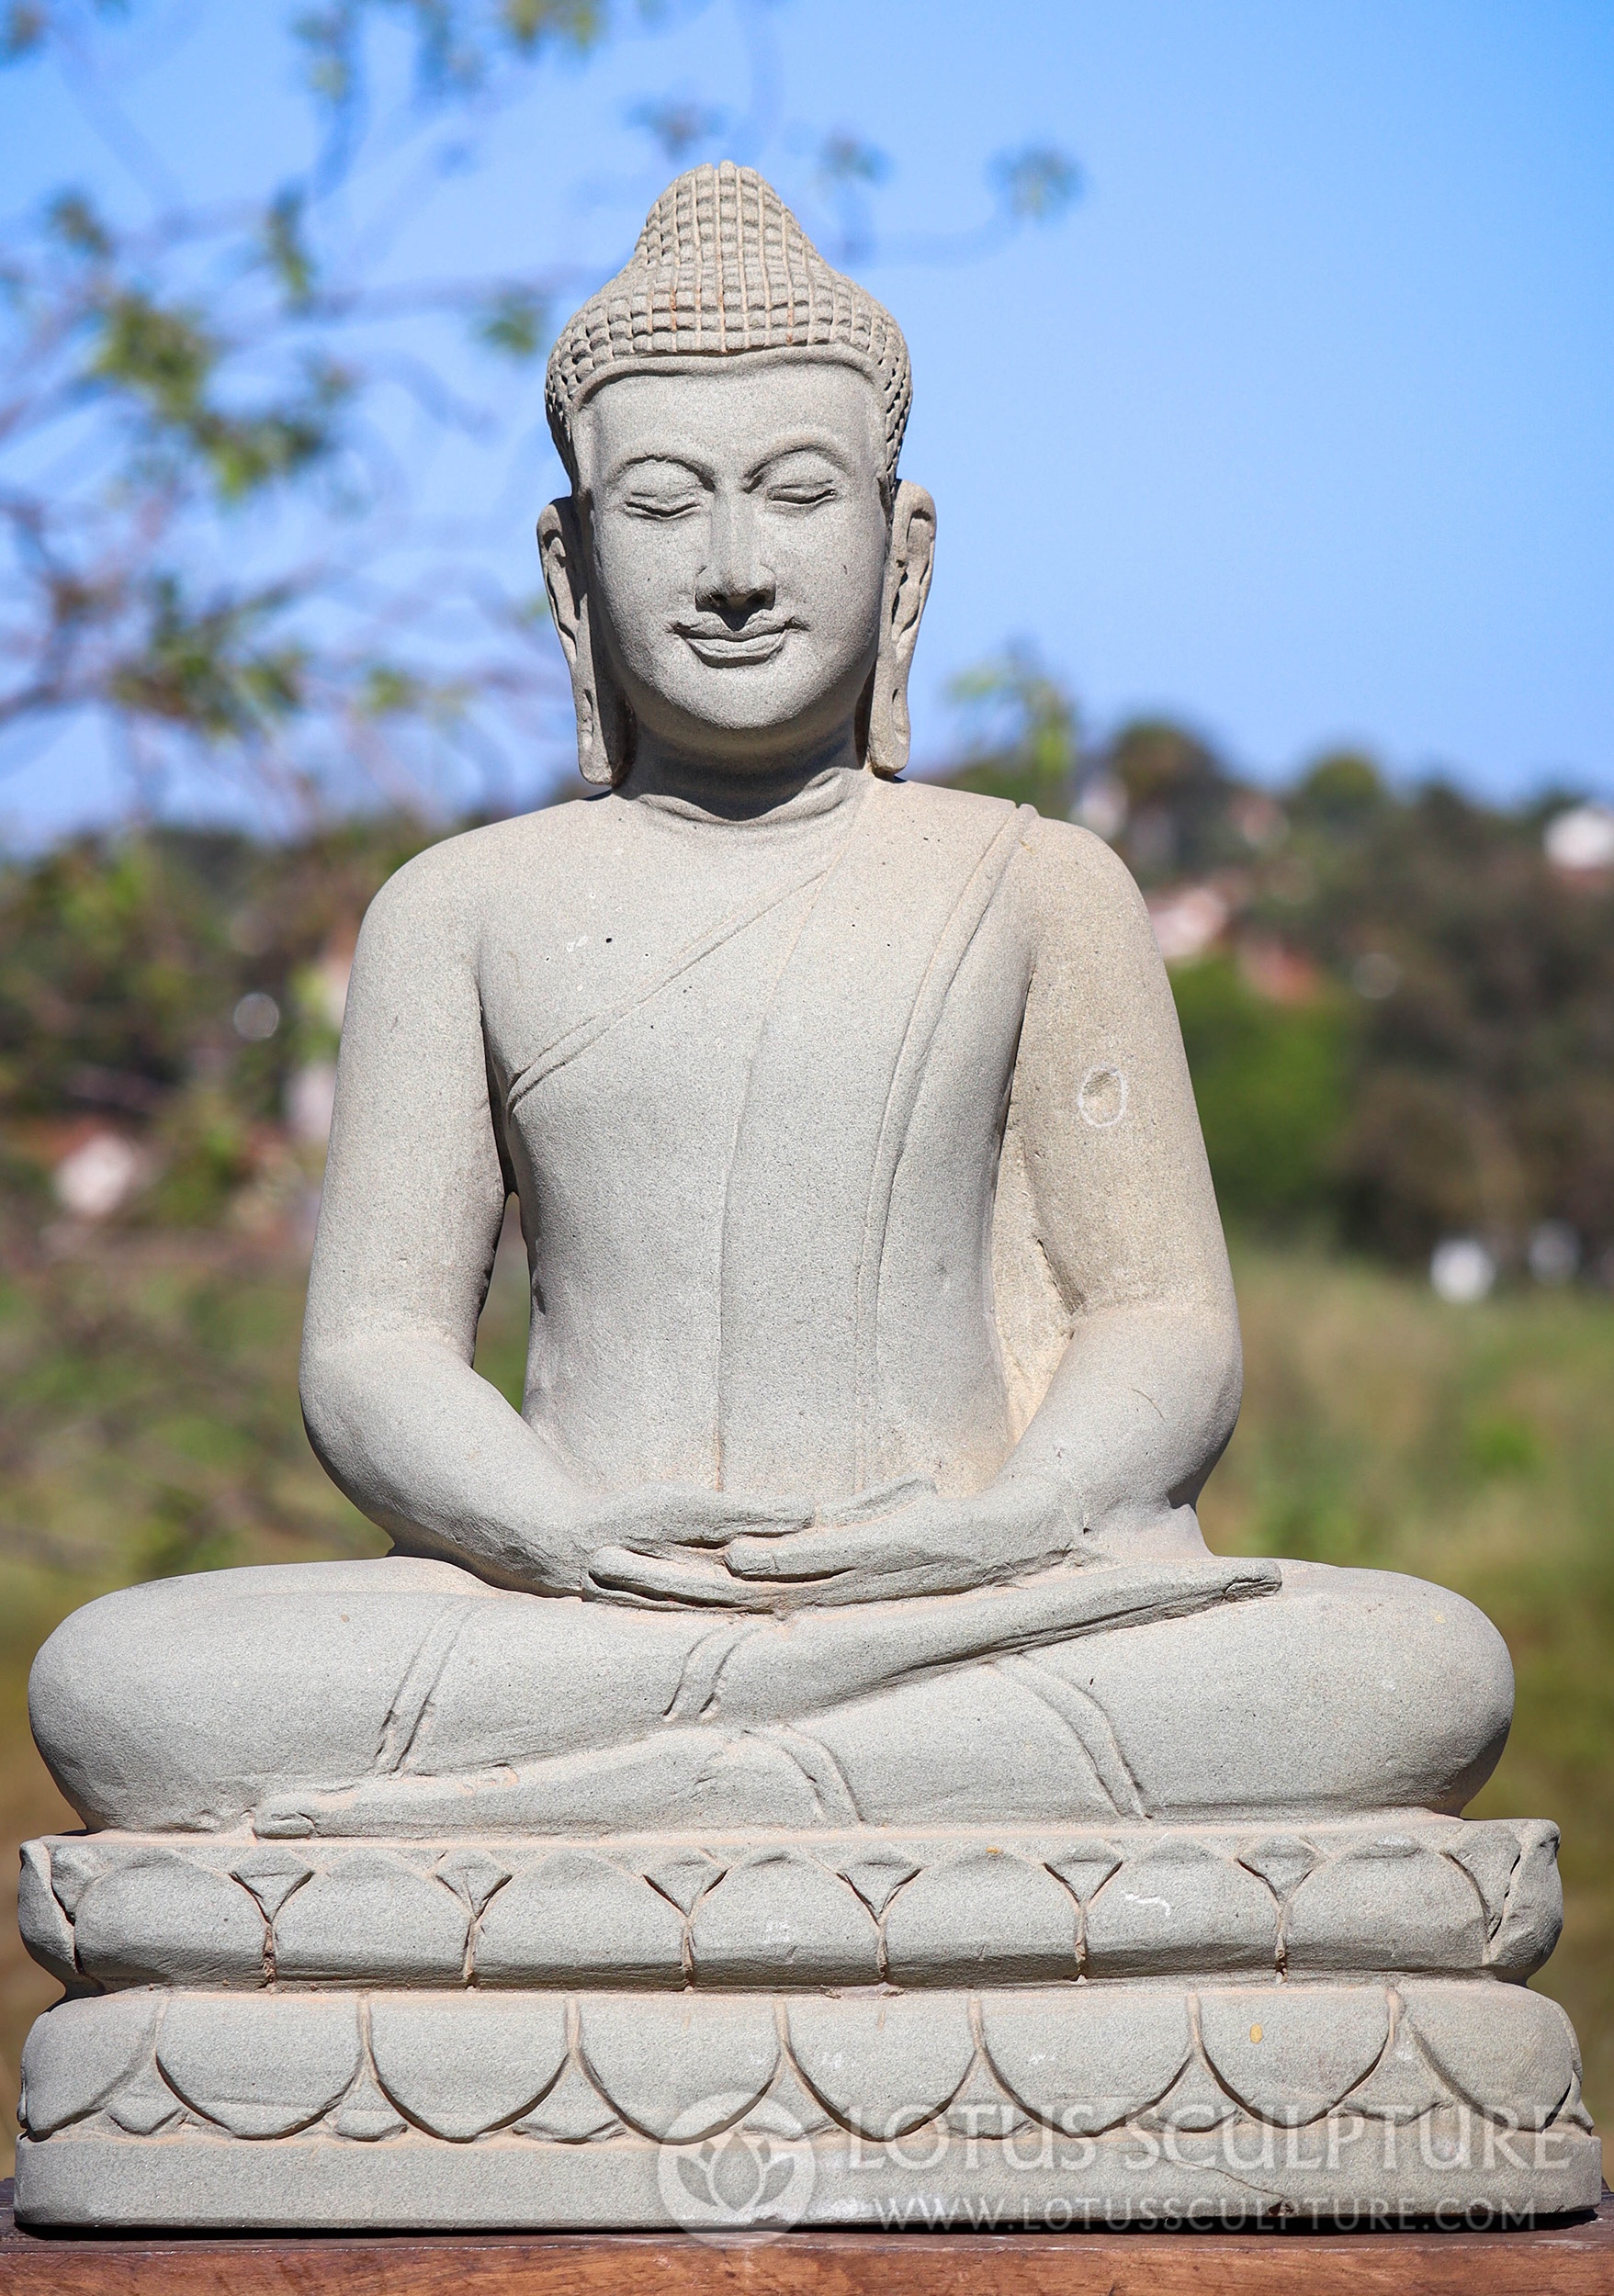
899, 1540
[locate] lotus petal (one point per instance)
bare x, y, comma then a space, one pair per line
372, 1916
157, 1918
987, 1915
1389, 1904
1290, 2053
79, 2053
460, 2064
575, 1918
1180, 1907
883, 2064
699, 2061
260, 2064
778, 1918
1509, 2052
1089, 2058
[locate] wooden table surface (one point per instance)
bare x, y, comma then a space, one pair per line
1566, 2258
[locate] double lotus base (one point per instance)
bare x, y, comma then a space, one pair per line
921, 2032
1011, 2107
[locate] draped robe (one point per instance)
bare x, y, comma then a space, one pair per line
759, 1183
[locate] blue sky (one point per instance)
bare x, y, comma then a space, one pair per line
1300, 426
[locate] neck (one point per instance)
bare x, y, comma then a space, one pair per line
806, 783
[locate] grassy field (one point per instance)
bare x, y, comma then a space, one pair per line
151, 1426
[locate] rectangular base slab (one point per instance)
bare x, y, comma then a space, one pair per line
1572, 2258
956, 2184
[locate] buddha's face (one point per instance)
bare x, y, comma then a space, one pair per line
738, 549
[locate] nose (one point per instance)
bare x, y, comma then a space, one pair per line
734, 581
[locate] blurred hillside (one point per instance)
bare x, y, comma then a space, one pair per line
1398, 1005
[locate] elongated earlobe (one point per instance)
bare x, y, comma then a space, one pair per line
908, 582
605, 722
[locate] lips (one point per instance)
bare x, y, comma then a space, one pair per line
725, 650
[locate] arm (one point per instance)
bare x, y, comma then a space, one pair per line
414, 1196
413, 1202
1123, 1217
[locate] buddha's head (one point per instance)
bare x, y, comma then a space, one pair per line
738, 574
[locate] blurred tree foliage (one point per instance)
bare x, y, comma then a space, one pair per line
1273, 1085
123, 964
218, 417
1023, 740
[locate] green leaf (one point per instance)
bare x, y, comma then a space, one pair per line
162, 354
328, 38
388, 691
203, 670
678, 128
847, 159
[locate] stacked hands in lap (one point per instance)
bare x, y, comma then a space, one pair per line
735, 1550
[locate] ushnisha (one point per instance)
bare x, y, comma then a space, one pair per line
883, 1337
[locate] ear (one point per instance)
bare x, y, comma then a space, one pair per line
909, 562
605, 722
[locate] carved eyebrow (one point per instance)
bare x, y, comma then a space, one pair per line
624, 467
802, 442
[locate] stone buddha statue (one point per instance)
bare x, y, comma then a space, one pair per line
830, 1635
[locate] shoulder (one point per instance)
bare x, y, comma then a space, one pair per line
1080, 889
930, 808
451, 889
1062, 864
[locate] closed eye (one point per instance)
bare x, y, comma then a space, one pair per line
804, 497
646, 506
